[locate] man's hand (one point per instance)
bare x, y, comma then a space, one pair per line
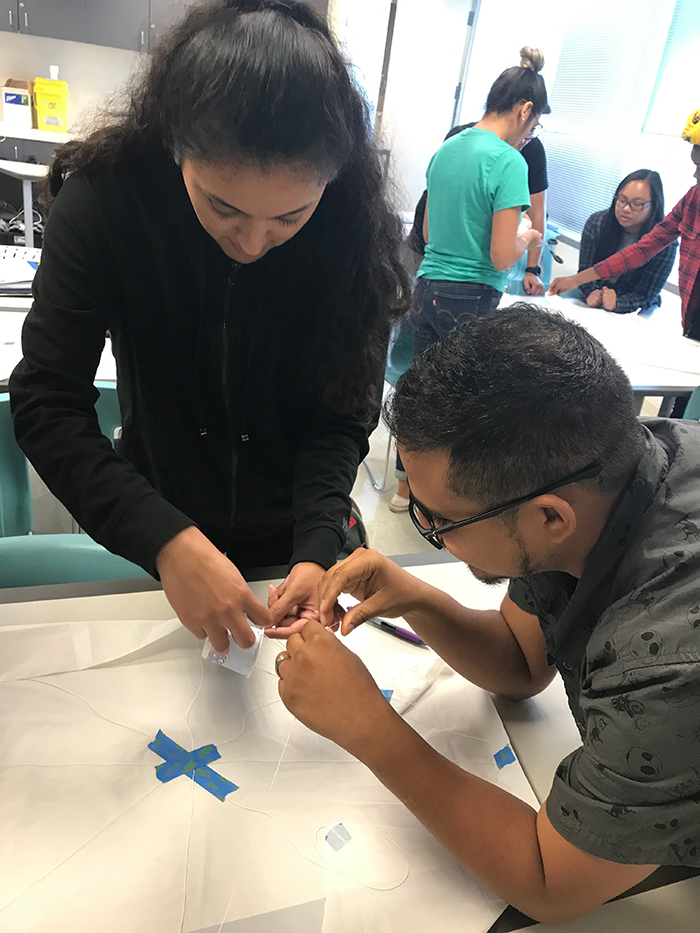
532, 284
595, 299
295, 600
207, 591
609, 299
382, 587
328, 688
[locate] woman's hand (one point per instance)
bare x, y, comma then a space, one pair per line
595, 299
328, 688
207, 591
525, 224
295, 600
564, 284
609, 299
382, 587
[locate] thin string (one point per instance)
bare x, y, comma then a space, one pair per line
322, 865
464, 735
284, 749
240, 807
80, 847
249, 713
48, 683
81, 764
191, 818
392, 887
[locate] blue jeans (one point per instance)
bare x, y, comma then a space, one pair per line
439, 306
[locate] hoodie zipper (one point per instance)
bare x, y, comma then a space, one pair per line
231, 282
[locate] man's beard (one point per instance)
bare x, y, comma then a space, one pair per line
526, 566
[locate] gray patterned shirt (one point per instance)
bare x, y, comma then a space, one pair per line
626, 640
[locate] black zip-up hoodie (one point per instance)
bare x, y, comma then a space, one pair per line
222, 421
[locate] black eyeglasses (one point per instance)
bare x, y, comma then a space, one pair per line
635, 205
433, 533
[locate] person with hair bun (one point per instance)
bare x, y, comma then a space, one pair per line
231, 231
637, 206
477, 191
532, 151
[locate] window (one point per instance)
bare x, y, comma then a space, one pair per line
677, 90
610, 58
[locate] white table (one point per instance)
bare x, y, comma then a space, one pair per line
27, 172
541, 731
657, 360
11, 346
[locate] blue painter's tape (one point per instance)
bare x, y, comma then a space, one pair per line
504, 757
178, 761
387, 694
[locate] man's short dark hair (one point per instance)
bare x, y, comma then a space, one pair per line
518, 399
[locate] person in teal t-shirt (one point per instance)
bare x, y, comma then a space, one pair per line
477, 190
470, 178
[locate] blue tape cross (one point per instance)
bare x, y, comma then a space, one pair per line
178, 761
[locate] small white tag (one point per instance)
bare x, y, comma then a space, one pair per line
240, 660
337, 837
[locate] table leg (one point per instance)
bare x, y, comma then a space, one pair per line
28, 213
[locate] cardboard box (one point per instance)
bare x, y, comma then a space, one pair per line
16, 103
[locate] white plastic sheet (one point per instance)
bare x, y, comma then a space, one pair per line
91, 839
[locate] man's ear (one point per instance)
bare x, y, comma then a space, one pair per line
554, 518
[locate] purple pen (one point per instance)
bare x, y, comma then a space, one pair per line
403, 633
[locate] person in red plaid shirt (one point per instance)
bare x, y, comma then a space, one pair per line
683, 222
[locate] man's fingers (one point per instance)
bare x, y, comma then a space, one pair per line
343, 578
374, 606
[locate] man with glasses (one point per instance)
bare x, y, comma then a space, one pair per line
526, 461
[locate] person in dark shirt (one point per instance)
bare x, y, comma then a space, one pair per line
637, 206
246, 265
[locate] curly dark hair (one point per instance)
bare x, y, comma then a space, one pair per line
262, 82
518, 400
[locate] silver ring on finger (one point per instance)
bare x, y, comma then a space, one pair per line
282, 656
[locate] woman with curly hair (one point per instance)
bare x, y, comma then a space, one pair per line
230, 231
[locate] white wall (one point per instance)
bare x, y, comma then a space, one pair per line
361, 27
429, 41
426, 56
503, 27
93, 72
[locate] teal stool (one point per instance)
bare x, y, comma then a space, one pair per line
16, 512
692, 409
40, 560
516, 272
107, 408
